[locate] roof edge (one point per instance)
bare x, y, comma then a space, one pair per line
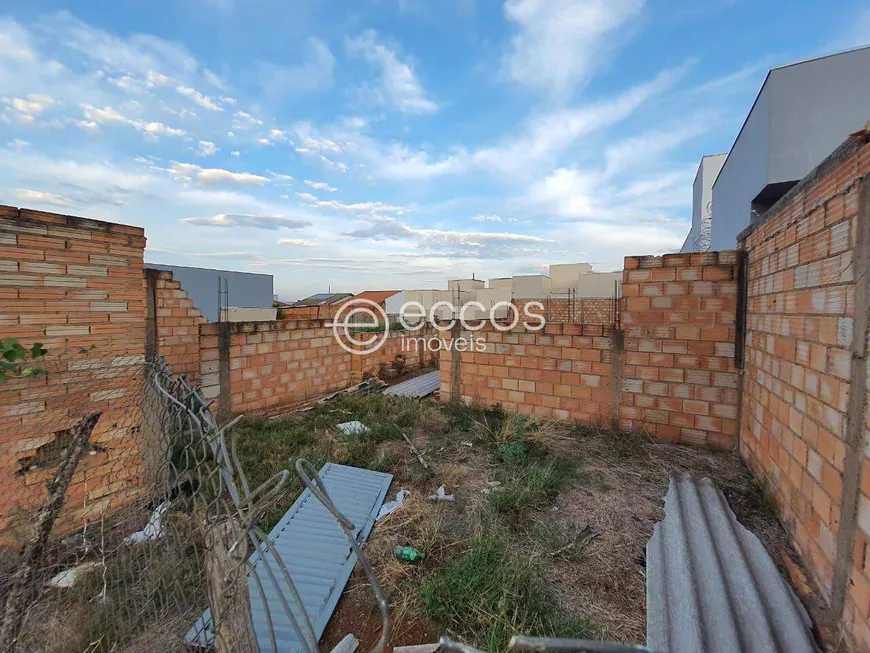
848, 147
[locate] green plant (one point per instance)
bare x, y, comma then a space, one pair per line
532, 486
14, 362
487, 594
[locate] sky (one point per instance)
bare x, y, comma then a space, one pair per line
388, 144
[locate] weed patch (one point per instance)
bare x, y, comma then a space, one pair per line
531, 487
486, 595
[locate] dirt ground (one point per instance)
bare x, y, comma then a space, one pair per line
588, 543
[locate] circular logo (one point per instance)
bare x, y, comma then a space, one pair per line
353, 323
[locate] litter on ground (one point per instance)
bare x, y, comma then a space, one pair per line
353, 428
392, 506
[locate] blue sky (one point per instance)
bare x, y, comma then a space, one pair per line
388, 143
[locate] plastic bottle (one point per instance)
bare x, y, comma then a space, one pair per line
408, 553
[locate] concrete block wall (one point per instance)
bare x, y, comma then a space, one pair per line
76, 285
177, 325
270, 364
562, 372
805, 418
679, 381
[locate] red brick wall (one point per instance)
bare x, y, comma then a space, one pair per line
274, 364
309, 312
562, 372
397, 343
576, 311
71, 283
177, 327
800, 329
679, 380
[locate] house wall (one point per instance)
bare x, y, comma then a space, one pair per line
805, 420
75, 285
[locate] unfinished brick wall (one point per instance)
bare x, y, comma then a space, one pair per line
573, 311
398, 343
271, 364
309, 312
72, 284
563, 372
679, 381
177, 322
805, 421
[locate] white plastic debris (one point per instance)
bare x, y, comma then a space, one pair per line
441, 495
154, 529
348, 645
69, 577
387, 508
353, 428
419, 648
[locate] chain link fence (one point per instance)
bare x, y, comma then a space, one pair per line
122, 565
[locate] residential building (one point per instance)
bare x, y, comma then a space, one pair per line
802, 112
698, 239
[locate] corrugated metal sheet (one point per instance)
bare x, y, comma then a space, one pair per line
419, 386
711, 587
316, 552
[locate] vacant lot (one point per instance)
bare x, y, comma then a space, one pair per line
546, 536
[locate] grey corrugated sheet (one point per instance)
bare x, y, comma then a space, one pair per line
316, 552
711, 587
419, 386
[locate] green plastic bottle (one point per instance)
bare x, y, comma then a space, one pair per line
408, 553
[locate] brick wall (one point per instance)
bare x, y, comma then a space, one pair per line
679, 380
397, 343
562, 372
177, 322
309, 312
272, 364
805, 421
71, 284
576, 311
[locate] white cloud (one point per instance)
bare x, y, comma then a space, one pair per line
28, 195
106, 115
559, 43
88, 125
270, 222
17, 145
129, 84
262, 141
243, 120
487, 218
195, 96
207, 148
320, 185
315, 74
155, 129
215, 80
235, 153
360, 207
214, 176
15, 42
458, 243
399, 87
26, 110
156, 79
294, 241
277, 135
